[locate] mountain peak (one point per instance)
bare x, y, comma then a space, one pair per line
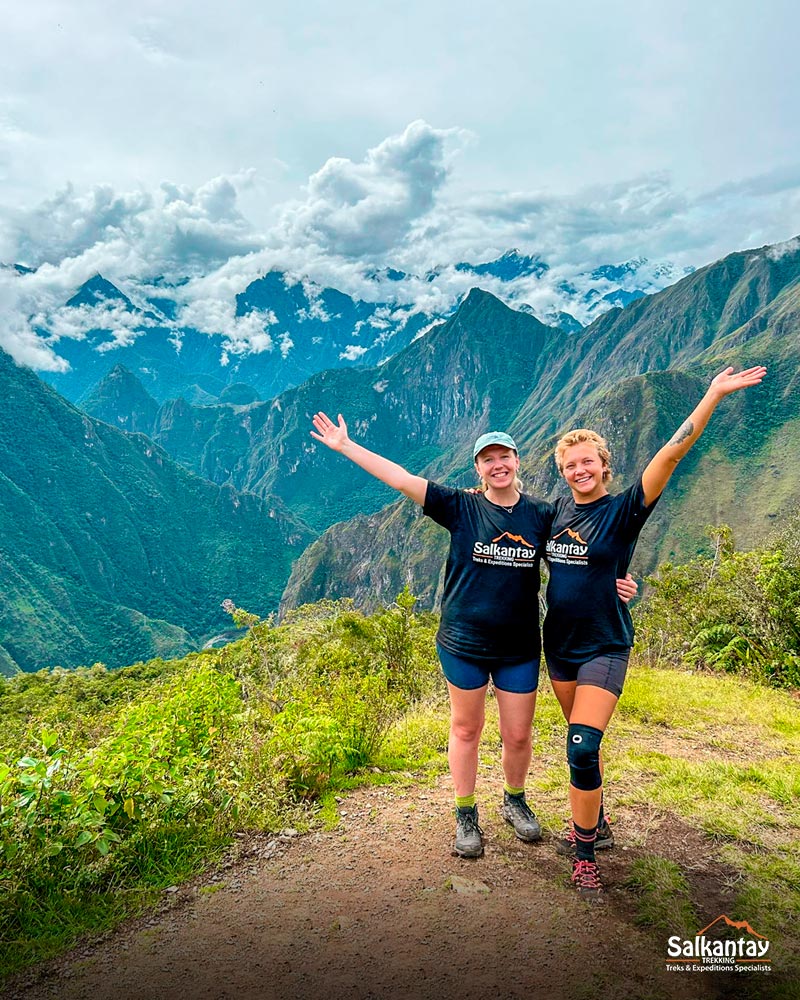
512, 264
120, 399
479, 300
96, 291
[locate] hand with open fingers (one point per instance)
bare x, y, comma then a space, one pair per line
729, 381
330, 434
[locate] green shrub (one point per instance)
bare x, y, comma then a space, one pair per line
737, 612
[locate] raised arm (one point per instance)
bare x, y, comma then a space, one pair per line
663, 464
336, 438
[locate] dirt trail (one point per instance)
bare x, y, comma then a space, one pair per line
379, 908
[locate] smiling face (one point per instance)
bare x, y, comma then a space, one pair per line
497, 466
584, 471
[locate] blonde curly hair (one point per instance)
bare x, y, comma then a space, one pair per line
583, 435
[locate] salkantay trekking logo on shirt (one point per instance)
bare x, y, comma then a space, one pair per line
717, 949
494, 554
574, 551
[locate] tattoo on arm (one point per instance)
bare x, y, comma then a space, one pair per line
683, 432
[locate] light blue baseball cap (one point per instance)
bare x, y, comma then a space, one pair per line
493, 437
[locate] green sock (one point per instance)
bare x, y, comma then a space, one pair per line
465, 801
513, 791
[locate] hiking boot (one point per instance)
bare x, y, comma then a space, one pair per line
516, 811
469, 836
605, 837
605, 840
586, 879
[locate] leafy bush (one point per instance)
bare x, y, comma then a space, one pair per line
737, 612
334, 682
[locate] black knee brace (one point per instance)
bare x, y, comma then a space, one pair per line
583, 754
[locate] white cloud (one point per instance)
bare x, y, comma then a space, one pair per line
782, 249
19, 339
352, 352
218, 316
367, 209
176, 231
286, 344
74, 322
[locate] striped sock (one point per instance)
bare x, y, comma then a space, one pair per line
516, 792
584, 842
465, 801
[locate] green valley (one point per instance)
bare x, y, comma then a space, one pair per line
110, 551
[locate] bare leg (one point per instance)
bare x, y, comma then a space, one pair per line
467, 714
516, 721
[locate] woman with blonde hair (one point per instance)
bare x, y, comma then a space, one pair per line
587, 632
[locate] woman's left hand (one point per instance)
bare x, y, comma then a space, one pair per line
729, 381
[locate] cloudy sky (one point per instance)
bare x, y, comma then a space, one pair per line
215, 140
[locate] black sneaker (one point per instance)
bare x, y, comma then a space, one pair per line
516, 811
469, 836
605, 840
586, 879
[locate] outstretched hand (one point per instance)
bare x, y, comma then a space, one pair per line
729, 381
335, 437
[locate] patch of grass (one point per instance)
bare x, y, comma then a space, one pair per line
664, 895
38, 936
327, 812
709, 705
769, 893
48, 919
209, 890
768, 897
418, 740
753, 804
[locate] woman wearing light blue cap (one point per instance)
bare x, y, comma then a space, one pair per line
490, 612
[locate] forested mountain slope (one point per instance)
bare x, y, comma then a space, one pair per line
109, 550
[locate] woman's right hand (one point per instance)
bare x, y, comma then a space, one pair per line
333, 436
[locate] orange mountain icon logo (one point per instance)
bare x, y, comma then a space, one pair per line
514, 538
572, 534
739, 925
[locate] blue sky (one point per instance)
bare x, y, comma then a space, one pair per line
217, 140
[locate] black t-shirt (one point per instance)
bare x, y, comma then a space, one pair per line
589, 547
490, 606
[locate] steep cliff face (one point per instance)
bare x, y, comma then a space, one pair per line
371, 558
